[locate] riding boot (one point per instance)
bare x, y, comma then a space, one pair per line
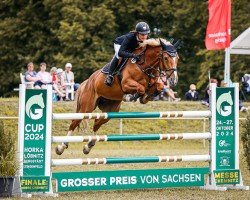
110, 78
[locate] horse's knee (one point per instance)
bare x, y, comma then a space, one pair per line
126, 88
141, 89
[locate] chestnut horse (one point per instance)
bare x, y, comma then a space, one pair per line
142, 79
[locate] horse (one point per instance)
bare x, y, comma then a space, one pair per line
141, 79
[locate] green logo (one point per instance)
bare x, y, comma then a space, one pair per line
226, 109
38, 112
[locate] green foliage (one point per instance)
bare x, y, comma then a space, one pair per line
246, 140
8, 163
82, 32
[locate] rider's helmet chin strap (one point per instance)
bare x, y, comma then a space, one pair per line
137, 37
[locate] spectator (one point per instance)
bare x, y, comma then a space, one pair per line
167, 92
69, 76
60, 81
246, 83
192, 94
45, 77
53, 74
205, 101
31, 76
54, 84
242, 108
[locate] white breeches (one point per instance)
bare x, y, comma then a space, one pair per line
117, 47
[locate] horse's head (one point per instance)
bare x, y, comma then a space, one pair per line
162, 55
168, 61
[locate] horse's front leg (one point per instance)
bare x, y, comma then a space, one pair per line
107, 106
156, 88
87, 147
131, 87
61, 147
98, 122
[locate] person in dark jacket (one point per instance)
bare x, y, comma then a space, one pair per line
125, 45
192, 94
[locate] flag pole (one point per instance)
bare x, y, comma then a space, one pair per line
227, 67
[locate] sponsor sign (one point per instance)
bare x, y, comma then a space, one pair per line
34, 142
37, 184
225, 128
129, 179
223, 177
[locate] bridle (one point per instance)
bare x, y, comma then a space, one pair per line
149, 69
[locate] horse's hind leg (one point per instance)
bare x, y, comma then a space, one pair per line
61, 147
105, 106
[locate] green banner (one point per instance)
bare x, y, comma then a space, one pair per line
34, 133
225, 128
223, 177
35, 184
129, 179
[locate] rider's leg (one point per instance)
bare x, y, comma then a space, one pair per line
110, 78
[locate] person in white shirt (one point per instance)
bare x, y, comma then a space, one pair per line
69, 76
45, 77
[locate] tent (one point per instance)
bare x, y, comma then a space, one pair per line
241, 45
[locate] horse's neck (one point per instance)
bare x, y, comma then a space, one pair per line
151, 55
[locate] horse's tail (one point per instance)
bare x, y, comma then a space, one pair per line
79, 96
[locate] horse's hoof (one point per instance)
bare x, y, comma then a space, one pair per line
143, 100
59, 150
86, 149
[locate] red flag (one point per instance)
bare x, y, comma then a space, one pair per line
219, 24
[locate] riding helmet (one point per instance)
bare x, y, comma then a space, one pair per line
142, 28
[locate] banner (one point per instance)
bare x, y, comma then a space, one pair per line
219, 24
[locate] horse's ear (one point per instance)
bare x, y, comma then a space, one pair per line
177, 44
162, 44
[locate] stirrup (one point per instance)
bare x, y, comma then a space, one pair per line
109, 80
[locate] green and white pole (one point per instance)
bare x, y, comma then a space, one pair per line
123, 160
133, 115
132, 137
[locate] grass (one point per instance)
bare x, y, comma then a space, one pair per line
9, 107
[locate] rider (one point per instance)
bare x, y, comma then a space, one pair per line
125, 45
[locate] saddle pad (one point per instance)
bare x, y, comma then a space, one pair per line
105, 69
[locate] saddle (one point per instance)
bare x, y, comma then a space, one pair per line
119, 68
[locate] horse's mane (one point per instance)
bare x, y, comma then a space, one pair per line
154, 42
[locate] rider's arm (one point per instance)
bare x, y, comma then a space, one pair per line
123, 49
